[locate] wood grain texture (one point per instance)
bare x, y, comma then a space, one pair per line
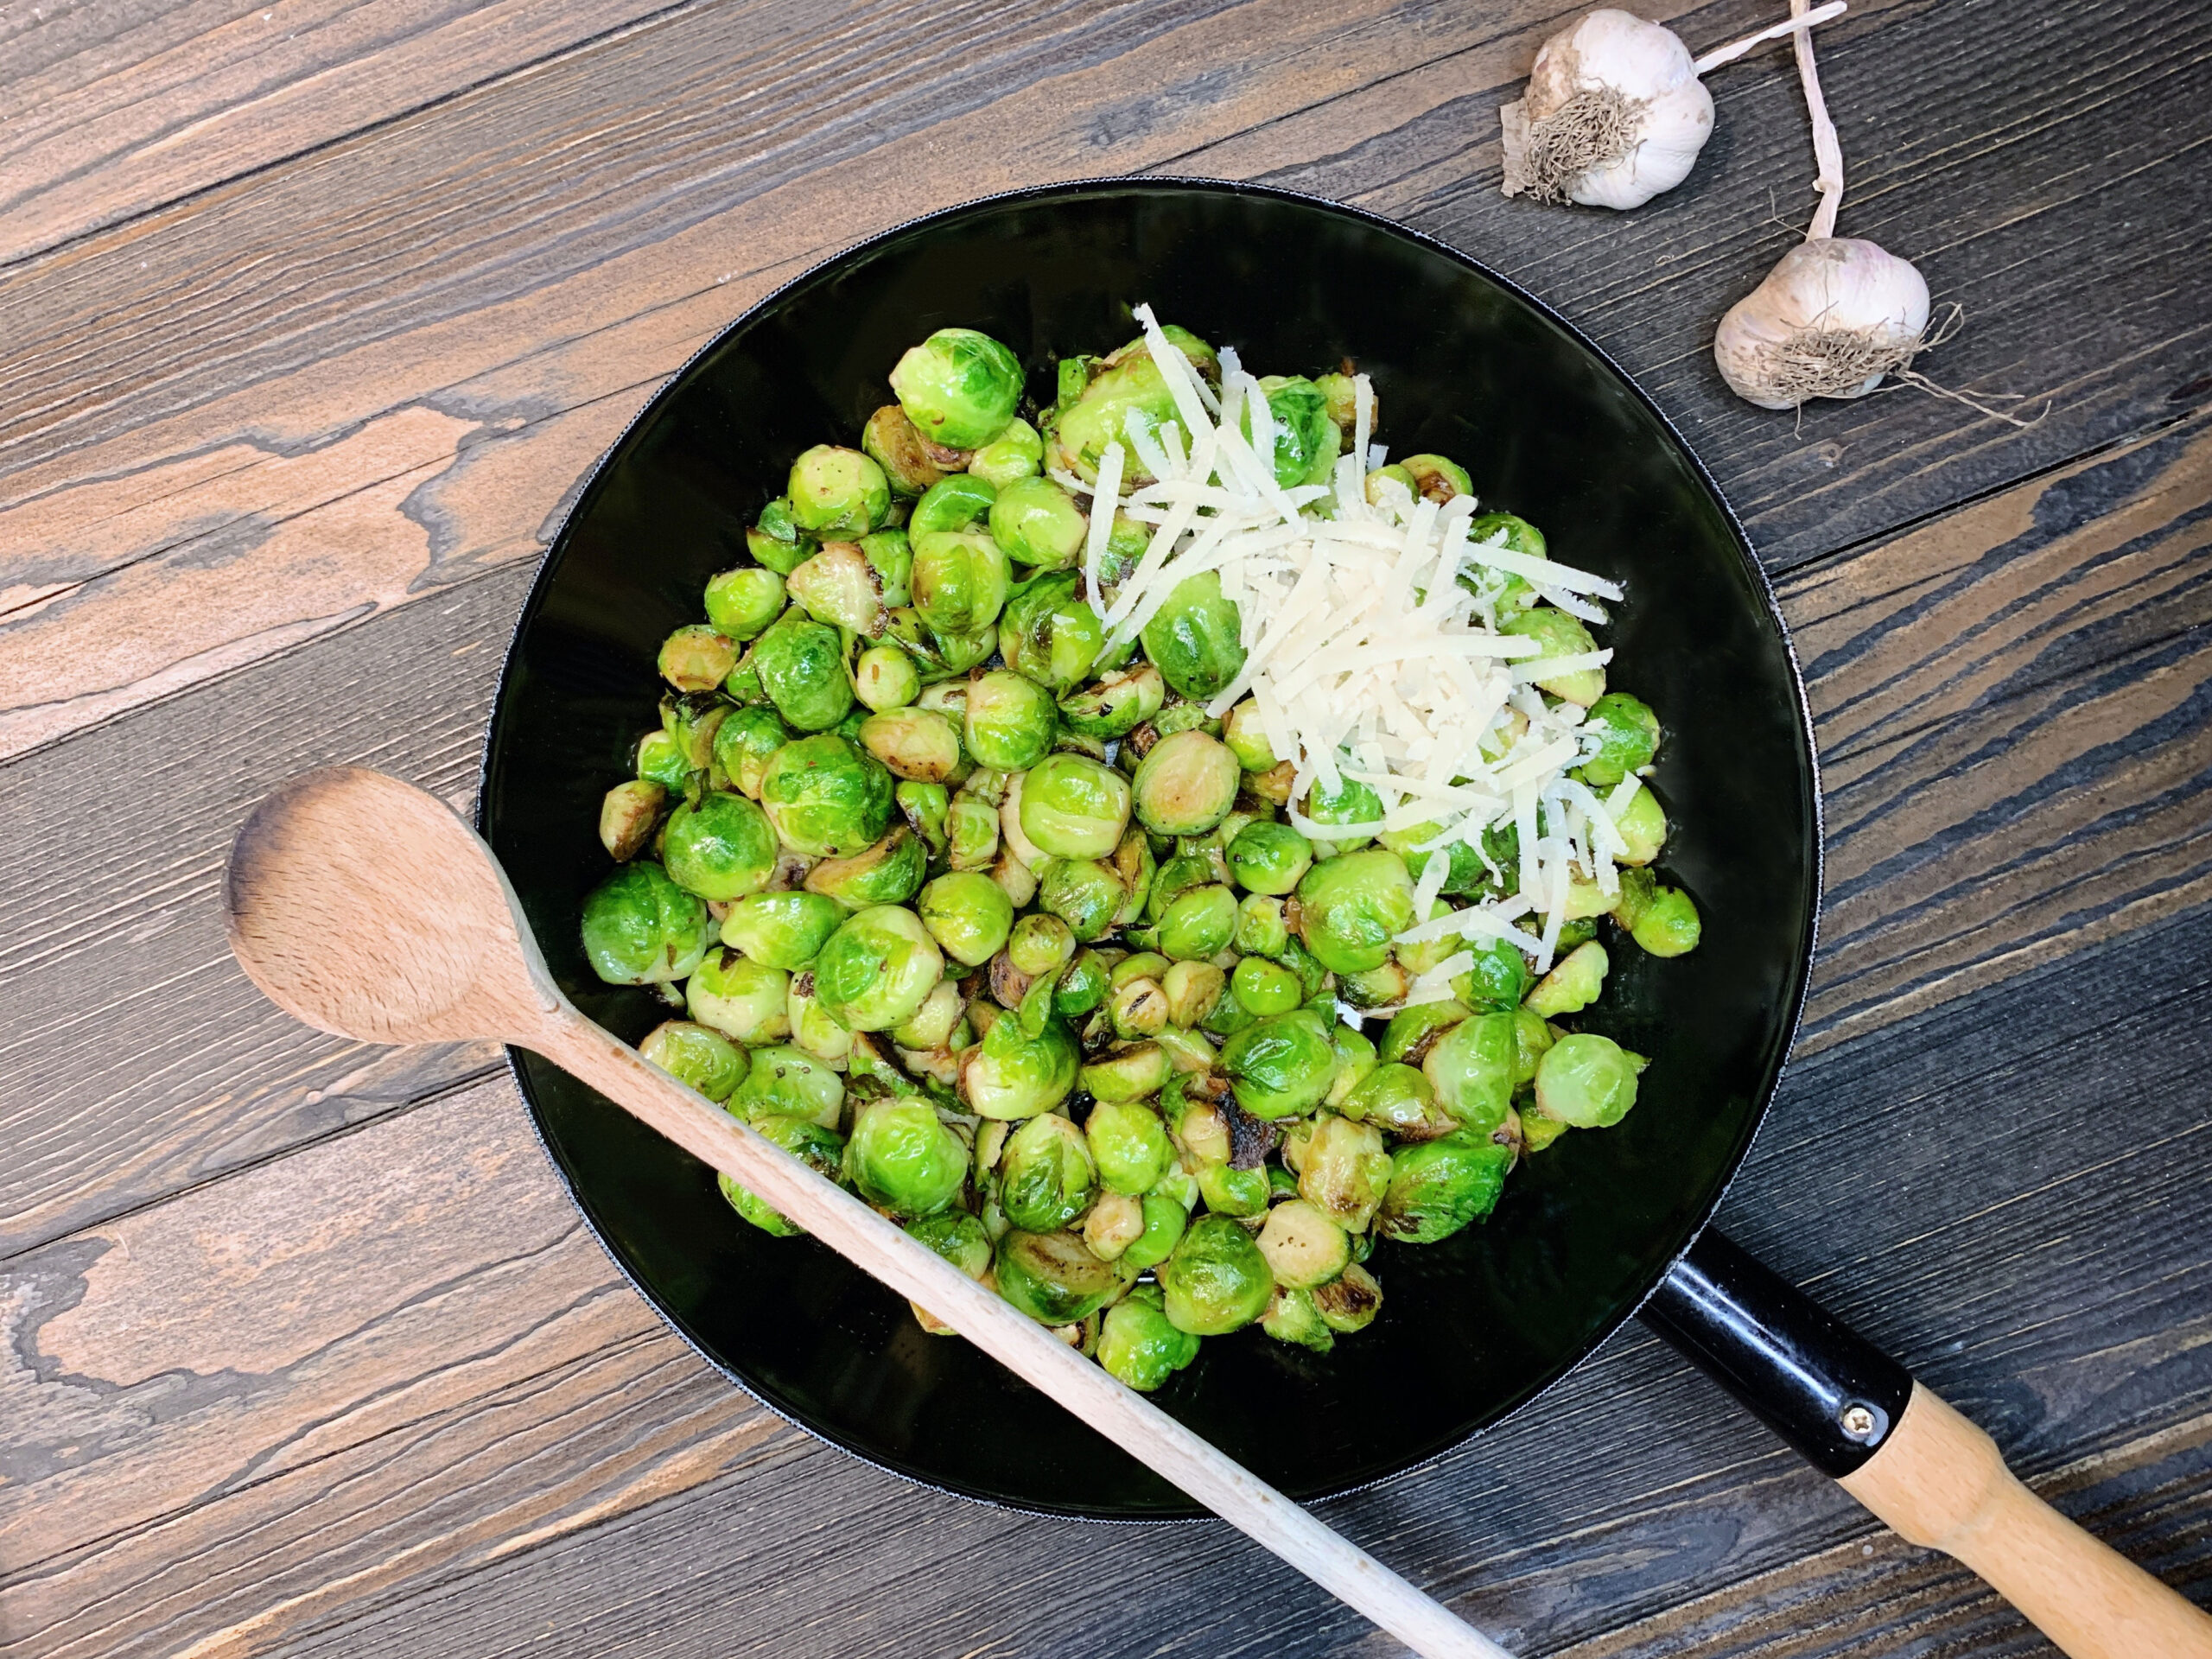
408, 345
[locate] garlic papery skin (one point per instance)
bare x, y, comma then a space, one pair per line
1830, 321
1614, 114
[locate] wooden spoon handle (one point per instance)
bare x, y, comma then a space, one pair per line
1939, 1482
853, 1229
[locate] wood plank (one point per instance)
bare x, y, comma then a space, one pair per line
425, 387
109, 112
430, 1421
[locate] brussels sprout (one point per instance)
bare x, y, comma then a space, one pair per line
1011, 1075
1669, 925
1306, 439
967, 915
1436, 478
1017, 452
1350, 804
876, 970
1349, 1303
1054, 1278
1083, 892
1199, 924
720, 848
958, 387
1183, 873
781, 930
1128, 1143
1464, 871
1558, 634
1385, 482
891, 557
916, 744
1351, 907
1515, 534
1082, 985
1073, 807
1116, 1222
1193, 989
1532, 1040
814, 1030
1228, 1190
955, 504
1216, 1280
1265, 988
1309, 968
1340, 396
741, 602
1132, 1073
1401, 1100
801, 668
1378, 987
1293, 1318
744, 744
901, 1157
1193, 639
1041, 945
1413, 1030
932, 1025
1049, 633
1343, 1170
1046, 1177
627, 815
835, 490
1572, 985
1628, 734
1282, 1066
696, 657
1246, 739
1304, 1247
819, 1149
1587, 1081
1355, 1057
777, 541
1037, 523
640, 928
971, 829
661, 761
840, 587
1116, 703
1138, 1008
783, 1082
924, 807
960, 1239
1260, 929
1270, 858
742, 999
1471, 1067
1128, 397
826, 796
1439, 1186
1499, 979
960, 580
1140, 1346
1165, 1217
889, 872
696, 1056
1186, 784
1010, 720
890, 440
884, 678
1643, 826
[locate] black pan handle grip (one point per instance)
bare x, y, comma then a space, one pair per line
1807, 1374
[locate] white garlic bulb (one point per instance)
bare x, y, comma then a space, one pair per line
1614, 114
1830, 321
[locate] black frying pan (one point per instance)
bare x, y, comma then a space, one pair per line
1602, 1225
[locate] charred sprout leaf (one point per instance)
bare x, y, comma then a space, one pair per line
628, 817
890, 440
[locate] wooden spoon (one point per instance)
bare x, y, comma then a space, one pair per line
364, 907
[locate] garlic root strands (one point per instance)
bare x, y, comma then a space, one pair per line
1830, 321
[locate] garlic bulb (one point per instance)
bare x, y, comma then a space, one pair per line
1830, 321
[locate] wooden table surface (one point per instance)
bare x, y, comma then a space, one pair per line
312, 315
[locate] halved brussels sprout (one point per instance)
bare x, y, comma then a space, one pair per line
1413, 1030
891, 441
959, 387
1349, 1303
1128, 397
696, 657
815, 1030
1643, 826
1194, 989
1194, 638
1073, 807
1047, 1178
776, 541
1439, 1186
745, 743
960, 580
1464, 871
1049, 633
819, 1149
1573, 984
629, 814
1343, 1170
695, 1055
902, 1156
968, 914
1083, 892
1437, 478
1011, 1075
1396, 1097
1216, 1281
1139, 1345
876, 970
1499, 979
1587, 1081
835, 490
1116, 703
1129, 1144
1265, 988
934, 1024
1304, 1247
1082, 985
744, 1000
1132, 1072
1010, 720
1292, 1317
826, 796
1040, 943
1352, 906
721, 848
1186, 784
640, 928
919, 744
884, 678
661, 760
954, 504
1037, 523
1116, 1222
1054, 1278
1350, 803
1165, 1217
960, 1239
1260, 929
889, 872
1280, 1066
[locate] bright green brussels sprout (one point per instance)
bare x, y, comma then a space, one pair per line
1350, 803
1186, 784
722, 848
839, 587
821, 1150
741, 602
902, 1156
1037, 523
744, 742
954, 504
1194, 989
1513, 532
1054, 1278
1011, 1075
1378, 987
661, 760
787, 1082
919, 744
1669, 925
935, 1023
1293, 1318
1628, 733
782, 929
971, 829
835, 490
1010, 720
801, 668
1587, 1081
1343, 1170
1131, 396
1437, 478
1083, 892
1138, 1007
1164, 1219
1396, 1097
891, 557
1182, 874
1355, 1057
1349, 1303
960, 580
1131, 1073
1198, 924
958, 387
696, 1056
1471, 1067
1216, 1281
1129, 1145
1049, 633
1384, 482
1018, 452
1464, 869
1073, 807
890, 440
826, 796
744, 1000
696, 657
1558, 634
1642, 824
1573, 984
1532, 1040
777, 542
958, 1237
889, 872
1439, 1186
924, 807
1046, 1177
1306, 439
1304, 1247
1265, 988
628, 813
1041, 945
876, 970
1352, 906
884, 678
968, 915
1499, 978
1193, 639
640, 928
1411, 1030
1260, 929
1270, 858
1116, 703
1082, 985
1282, 1066
1248, 739
1140, 1346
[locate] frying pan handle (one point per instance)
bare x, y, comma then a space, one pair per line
1857, 1414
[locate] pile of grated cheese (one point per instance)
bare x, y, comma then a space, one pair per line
1368, 658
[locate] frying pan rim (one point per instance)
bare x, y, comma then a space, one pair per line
587, 489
